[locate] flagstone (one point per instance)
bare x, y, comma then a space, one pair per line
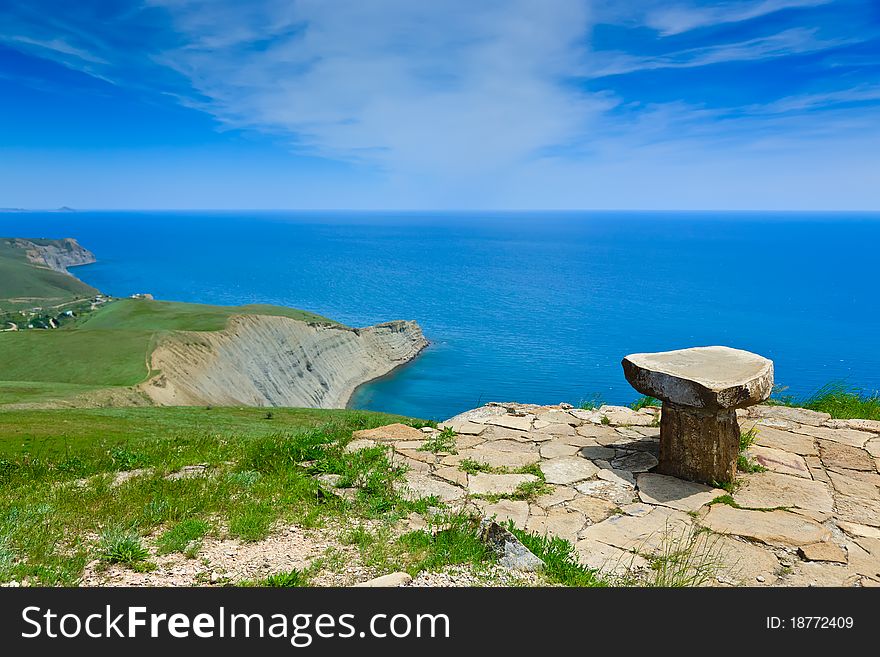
780, 528
779, 461
675, 493
835, 454
567, 470
497, 484
768, 490
795, 443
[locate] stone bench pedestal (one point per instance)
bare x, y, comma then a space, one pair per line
700, 388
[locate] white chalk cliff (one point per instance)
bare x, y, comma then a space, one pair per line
276, 361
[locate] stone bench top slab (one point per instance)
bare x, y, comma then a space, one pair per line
710, 378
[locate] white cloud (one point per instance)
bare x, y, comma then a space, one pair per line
675, 19
408, 86
794, 41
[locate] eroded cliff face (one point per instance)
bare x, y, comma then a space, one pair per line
276, 361
55, 254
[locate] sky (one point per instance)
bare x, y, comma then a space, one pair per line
442, 105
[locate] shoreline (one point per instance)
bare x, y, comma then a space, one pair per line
390, 373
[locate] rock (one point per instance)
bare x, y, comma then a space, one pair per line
509, 446
822, 552
817, 470
799, 415
779, 528
844, 436
189, 472
624, 416
511, 422
557, 417
497, 484
393, 579
608, 490
558, 495
511, 552
741, 562
422, 466
709, 378
795, 443
418, 485
390, 432
675, 493
637, 509
631, 435
855, 529
559, 521
505, 510
452, 475
779, 461
644, 534
608, 559
622, 477
598, 452
844, 456
635, 462
817, 573
567, 470
863, 557
584, 415
328, 479
464, 428
495, 458
858, 510
853, 486
768, 490
594, 508
551, 430
553, 449
864, 425
417, 455
359, 444
873, 447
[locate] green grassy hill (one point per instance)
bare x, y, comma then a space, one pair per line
100, 349
139, 314
23, 285
109, 347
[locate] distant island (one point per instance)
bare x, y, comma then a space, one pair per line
63, 342
63, 208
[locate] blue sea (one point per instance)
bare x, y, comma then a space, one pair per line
533, 306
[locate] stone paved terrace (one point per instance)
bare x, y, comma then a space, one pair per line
811, 519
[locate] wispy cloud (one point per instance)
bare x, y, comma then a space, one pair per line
408, 86
794, 41
670, 19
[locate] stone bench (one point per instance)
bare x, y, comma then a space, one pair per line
700, 388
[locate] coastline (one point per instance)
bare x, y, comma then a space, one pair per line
387, 375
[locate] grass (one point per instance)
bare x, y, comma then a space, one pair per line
592, 403
458, 542
182, 536
743, 462
147, 315
837, 399
118, 546
24, 285
685, 559
444, 441
642, 402
262, 472
182, 434
560, 560
287, 580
